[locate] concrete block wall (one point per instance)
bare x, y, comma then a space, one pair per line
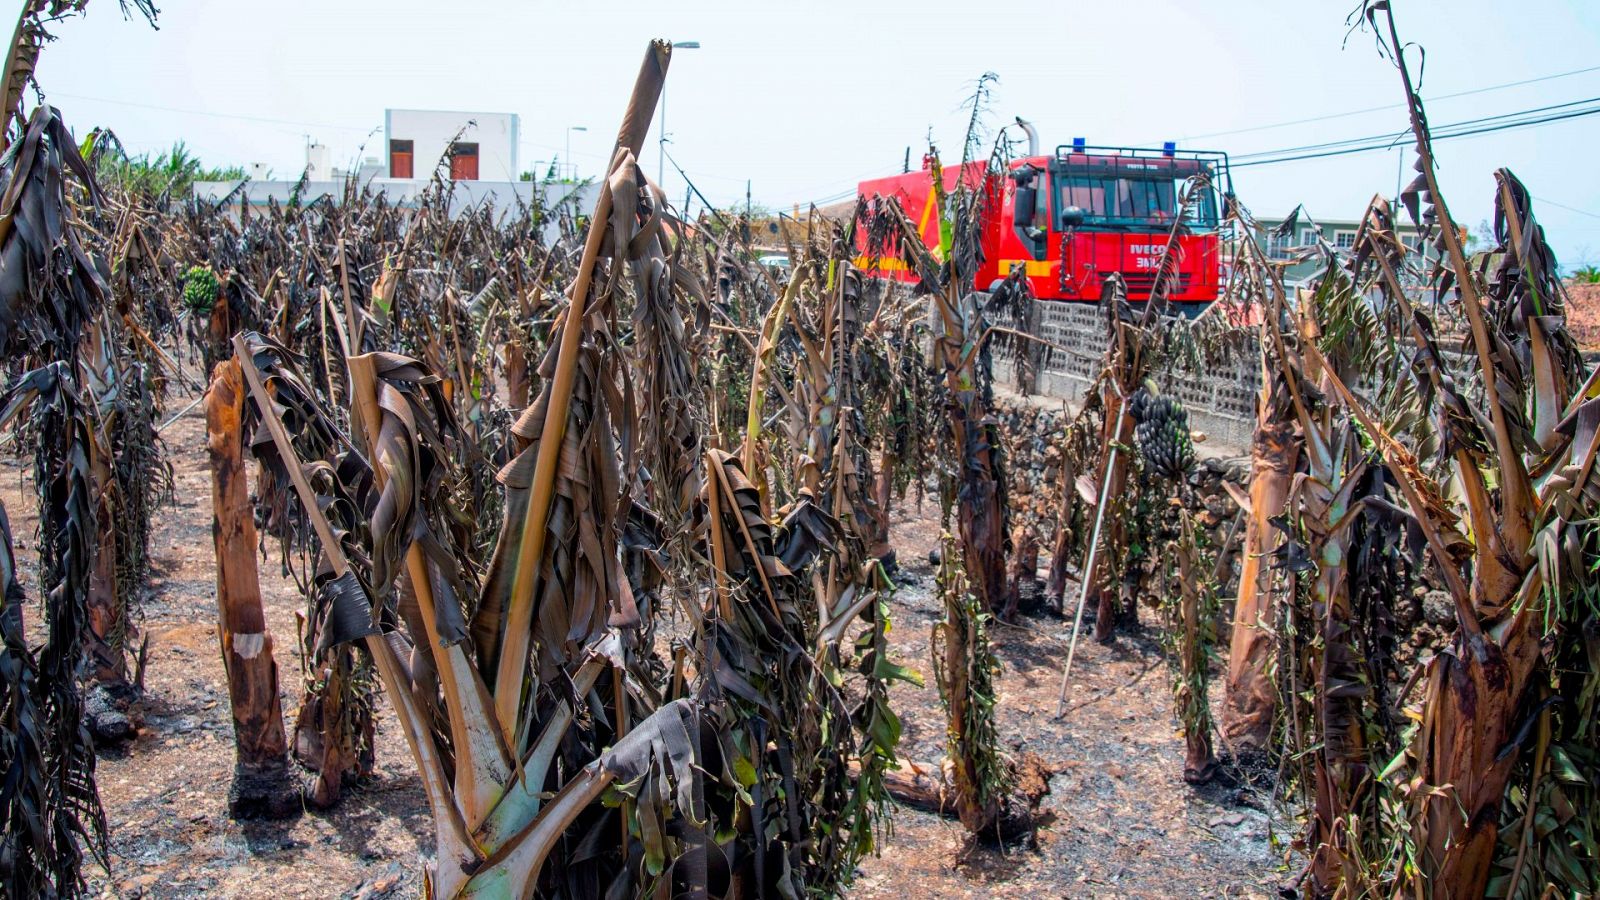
1220, 396
1220, 399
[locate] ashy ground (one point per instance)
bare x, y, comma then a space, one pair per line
1120, 820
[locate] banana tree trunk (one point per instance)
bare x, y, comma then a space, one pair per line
1061, 550
109, 627
1250, 698
883, 488
219, 332
1200, 760
261, 782
108, 618
1475, 707
1340, 763
1024, 568
980, 504
518, 384
1105, 581
966, 779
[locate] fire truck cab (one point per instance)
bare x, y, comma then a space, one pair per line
1072, 219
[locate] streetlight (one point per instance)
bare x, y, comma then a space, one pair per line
661, 163
568, 157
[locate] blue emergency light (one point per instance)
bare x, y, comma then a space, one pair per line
1170, 148
1079, 144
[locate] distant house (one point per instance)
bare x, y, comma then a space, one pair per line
479, 146
1296, 240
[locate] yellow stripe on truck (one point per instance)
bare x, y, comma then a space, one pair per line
1035, 268
882, 264
927, 213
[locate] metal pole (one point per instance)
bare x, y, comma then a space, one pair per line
1094, 551
1399, 167
661, 161
568, 164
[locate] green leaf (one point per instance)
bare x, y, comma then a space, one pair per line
885, 729
888, 671
1562, 765
744, 772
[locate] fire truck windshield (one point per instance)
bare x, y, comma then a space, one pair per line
1124, 201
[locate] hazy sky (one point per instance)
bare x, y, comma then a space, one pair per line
805, 99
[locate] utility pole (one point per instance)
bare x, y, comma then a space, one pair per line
747, 198
661, 161
568, 157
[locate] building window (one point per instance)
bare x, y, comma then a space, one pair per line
400, 157
1278, 245
463, 161
1344, 240
1309, 238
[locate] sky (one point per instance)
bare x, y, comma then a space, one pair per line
805, 99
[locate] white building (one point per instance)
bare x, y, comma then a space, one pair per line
319, 162
478, 145
479, 149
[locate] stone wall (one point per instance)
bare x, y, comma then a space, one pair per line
1033, 438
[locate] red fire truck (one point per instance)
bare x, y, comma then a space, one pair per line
1073, 218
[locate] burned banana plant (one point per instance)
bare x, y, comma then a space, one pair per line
1521, 461
786, 789
521, 715
1336, 511
965, 667
975, 488
1191, 607
401, 591
333, 733
49, 802
132, 478
50, 291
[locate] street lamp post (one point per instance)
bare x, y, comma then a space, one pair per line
661, 161
568, 157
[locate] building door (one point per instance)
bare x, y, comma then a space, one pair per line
400, 156
463, 161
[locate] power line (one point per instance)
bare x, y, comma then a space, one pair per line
1436, 137
1391, 136
215, 115
1572, 209
1526, 118
1373, 109
830, 198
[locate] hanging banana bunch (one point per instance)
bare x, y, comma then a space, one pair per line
1161, 429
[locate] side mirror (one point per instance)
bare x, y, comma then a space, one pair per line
1026, 197
1071, 217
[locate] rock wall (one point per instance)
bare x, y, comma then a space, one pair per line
1035, 436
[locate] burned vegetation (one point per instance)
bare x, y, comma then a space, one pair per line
599, 514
